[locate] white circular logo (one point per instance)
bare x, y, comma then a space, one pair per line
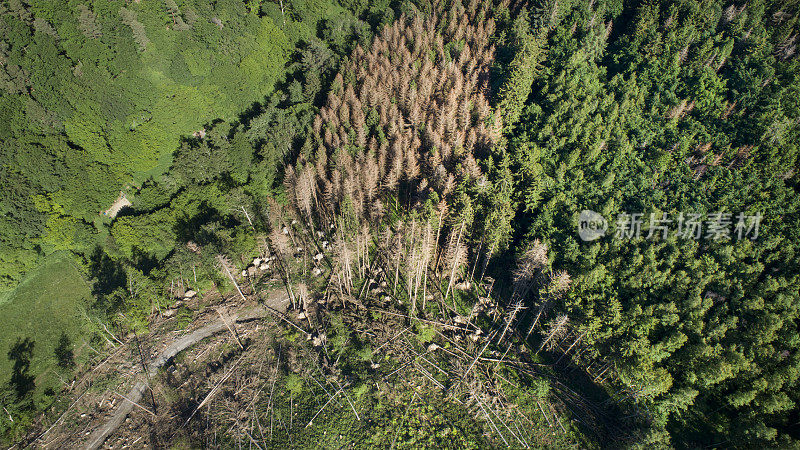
591, 225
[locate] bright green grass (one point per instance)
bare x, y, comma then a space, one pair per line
50, 300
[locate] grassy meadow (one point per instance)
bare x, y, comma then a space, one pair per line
51, 300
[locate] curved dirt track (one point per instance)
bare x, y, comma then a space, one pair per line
277, 304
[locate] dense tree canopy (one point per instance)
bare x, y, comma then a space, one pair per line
96, 95
670, 108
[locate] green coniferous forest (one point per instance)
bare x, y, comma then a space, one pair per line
400, 223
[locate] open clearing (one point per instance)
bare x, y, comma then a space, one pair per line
121, 202
50, 300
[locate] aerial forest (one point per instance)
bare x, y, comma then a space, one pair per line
417, 223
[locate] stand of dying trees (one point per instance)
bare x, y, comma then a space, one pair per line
384, 189
401, 133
